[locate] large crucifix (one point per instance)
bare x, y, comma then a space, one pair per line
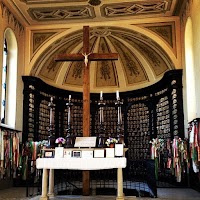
86, 56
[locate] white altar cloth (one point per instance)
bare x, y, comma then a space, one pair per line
81, 163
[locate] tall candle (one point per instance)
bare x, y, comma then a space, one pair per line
101, 95
69, 97
117, 94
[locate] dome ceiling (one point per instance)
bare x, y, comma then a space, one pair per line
141, 60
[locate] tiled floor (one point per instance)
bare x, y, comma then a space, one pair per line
18, 193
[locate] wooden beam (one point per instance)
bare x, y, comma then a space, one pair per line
86, 106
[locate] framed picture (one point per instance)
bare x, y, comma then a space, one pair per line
76, 154
49, 154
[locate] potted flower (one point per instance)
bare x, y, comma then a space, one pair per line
60, 141
43, 143
110, 142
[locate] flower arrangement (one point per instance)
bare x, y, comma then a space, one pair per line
110, 141
60, 140
43, 143
40, 145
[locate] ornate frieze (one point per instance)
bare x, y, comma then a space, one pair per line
11, 18
39, 38
62, 13
136, 8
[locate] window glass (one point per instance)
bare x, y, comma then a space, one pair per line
4, 75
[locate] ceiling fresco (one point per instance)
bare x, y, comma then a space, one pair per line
105, 40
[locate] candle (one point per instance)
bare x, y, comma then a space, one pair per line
117, 94
101, 95
69, 97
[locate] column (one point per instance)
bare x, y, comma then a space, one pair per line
44, 185
51, 183
120, 194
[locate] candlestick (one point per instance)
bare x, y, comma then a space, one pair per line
51, 137
101, 136
118, 116
69, 115
51, 110
100, 116
70, 139
50, 116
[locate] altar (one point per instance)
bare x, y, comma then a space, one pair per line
78, 164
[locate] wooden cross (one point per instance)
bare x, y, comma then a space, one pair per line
86, 56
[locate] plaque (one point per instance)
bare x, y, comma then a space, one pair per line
85, 142
49, 154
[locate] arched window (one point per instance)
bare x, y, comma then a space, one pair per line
4, 75
9, 79
190, 78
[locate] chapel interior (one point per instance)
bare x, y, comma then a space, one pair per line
107, 69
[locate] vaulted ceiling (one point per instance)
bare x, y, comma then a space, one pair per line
145, 34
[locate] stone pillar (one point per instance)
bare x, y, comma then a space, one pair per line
44, 185
51, 183
120, 194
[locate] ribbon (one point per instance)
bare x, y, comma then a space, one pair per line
156, 168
